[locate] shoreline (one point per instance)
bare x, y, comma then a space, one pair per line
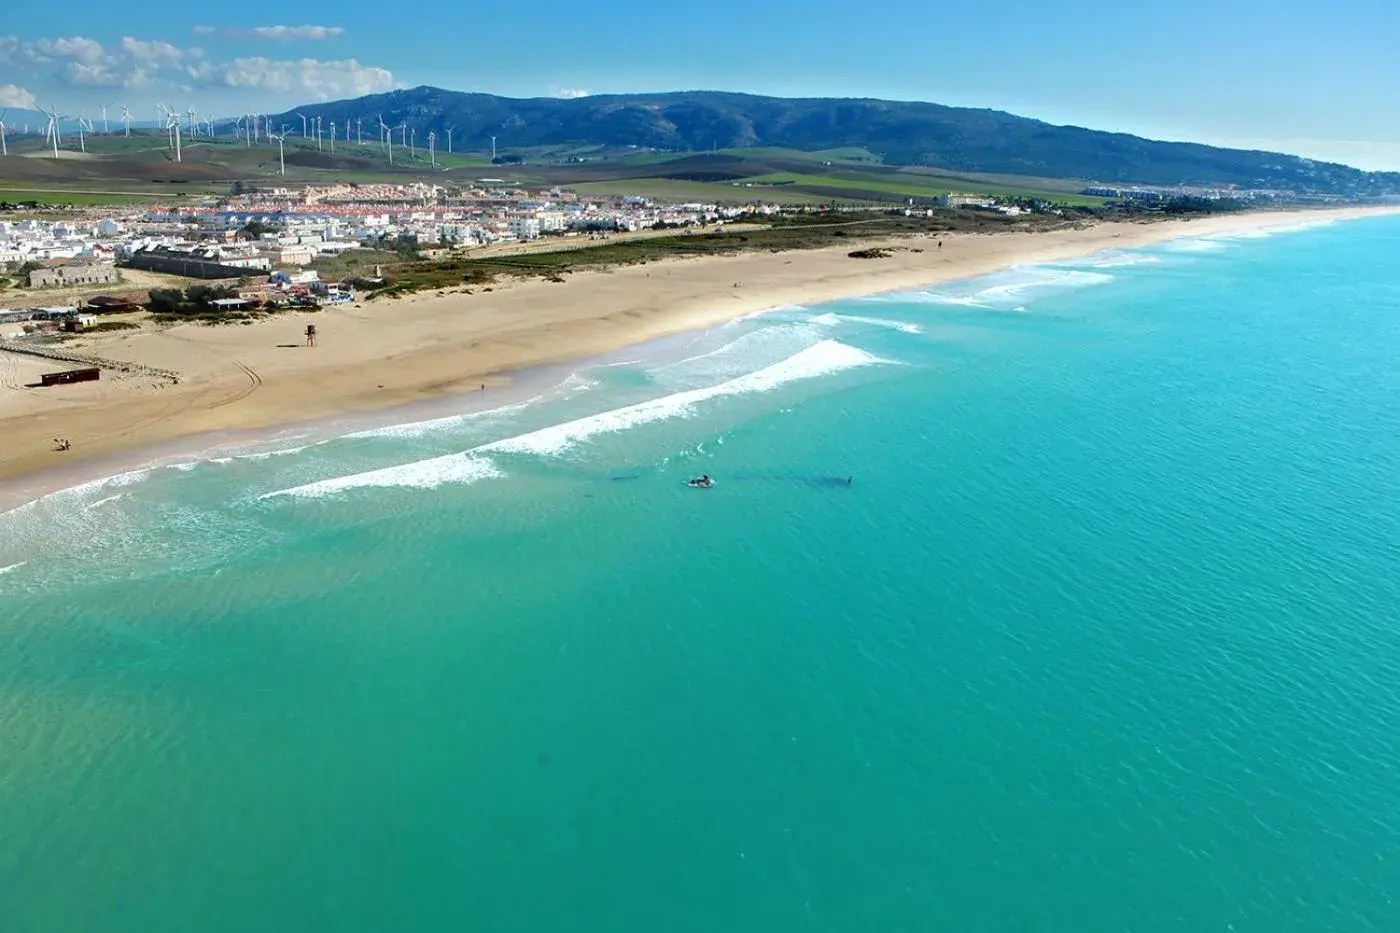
248, 385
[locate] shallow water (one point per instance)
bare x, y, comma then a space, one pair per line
1099, 637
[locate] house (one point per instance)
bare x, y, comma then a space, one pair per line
73, 273
305, 277
966, 200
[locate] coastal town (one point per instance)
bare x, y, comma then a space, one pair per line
267, 243
271, 246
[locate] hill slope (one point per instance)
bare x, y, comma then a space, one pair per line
902, 133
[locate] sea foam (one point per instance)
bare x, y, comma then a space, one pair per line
833, 320
1007, 290
460, 468
829, 356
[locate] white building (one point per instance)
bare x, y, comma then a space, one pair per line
524, 228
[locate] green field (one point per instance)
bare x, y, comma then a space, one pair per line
670, 189
907, 186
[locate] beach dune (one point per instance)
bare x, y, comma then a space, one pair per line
394, 351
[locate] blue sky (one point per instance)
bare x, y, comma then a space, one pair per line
1307, 77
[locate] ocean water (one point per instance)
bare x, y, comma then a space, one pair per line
1103, 634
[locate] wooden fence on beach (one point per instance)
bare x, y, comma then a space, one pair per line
68, 356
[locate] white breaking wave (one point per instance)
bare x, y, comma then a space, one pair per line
433, 425
1006, 290
832, 320
12, 567
77, 494
1196, 245
462, 468
1112, 259
1038, 279
1297, 227
829, 356
470, 466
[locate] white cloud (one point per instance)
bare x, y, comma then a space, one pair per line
568, 93
321, 79
158, 53
12, 95
276, 33
79, 62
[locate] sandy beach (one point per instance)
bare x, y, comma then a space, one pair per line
391, 352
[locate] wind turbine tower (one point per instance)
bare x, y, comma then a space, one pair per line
493, 149
106, 130
53, 132
126, 120
450, 128
281, 159
332, 137
4, 150
432, 148
387, 135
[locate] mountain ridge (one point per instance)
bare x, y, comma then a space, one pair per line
913, 133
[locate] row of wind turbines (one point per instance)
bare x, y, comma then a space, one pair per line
54, 132
251, 127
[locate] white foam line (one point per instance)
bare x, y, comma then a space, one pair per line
458, 468
416, 428
831, 320
13, 567
106, 500
829, 356
91, 486
1109, 259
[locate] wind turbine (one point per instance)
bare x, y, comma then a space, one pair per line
318, 132
106, 130
172, 124
281, 159
193, 125
298, 113
4, 149
387, 135
332, 137
82, 125
242, 124
53, 132
413, 143
493, 149
359, 131
126, 120
450, 128
432, 148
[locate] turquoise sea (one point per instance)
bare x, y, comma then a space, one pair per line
1103, 634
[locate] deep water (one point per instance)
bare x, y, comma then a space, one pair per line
1101, 634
